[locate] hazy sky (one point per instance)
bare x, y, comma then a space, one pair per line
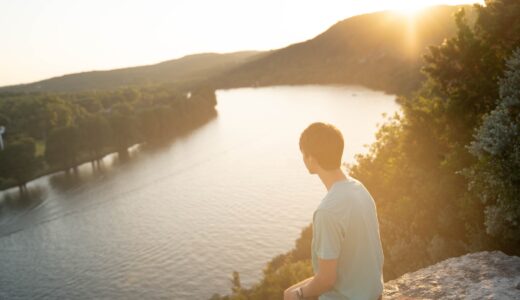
46, 38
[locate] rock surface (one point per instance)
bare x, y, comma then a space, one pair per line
481, 275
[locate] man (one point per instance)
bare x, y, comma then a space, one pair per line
347, 257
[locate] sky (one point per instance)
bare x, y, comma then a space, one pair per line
46, 38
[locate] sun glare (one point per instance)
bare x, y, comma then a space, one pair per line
411, 11
411, 8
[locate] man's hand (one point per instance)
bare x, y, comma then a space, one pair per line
290, 294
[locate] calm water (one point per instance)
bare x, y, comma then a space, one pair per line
175, 222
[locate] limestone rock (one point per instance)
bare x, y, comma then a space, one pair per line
481, 275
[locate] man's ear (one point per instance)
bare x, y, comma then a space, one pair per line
313, 161
312, 164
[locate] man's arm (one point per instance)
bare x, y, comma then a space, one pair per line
317, 285
289, 293
324, 280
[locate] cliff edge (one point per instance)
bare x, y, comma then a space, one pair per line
480, 275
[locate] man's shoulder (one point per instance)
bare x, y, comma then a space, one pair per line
344, 196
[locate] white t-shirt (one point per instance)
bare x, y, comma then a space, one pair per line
345, 227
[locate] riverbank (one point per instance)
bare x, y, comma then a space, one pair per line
6, 185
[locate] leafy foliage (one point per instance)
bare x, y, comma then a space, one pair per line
19, 162
495, 178
62, 146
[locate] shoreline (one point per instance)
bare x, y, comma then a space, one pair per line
109, 151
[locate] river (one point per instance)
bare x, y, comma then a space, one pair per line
175, 221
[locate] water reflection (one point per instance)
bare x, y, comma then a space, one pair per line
17, 200
88, 172
64, 182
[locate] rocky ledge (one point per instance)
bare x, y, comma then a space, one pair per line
481, 275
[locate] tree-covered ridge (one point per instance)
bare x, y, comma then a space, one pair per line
445, 172
191, 69
51, 132
379, 50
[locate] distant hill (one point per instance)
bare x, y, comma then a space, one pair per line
379, 50
191, 68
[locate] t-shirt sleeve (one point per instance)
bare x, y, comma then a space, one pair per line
327, 235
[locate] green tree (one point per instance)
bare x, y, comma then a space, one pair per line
62, 147
123, 131
156, 123
95, 134
91, 104
495, 178
28, 116
18, 161
4, 120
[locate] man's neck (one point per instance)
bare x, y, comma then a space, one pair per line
330, 177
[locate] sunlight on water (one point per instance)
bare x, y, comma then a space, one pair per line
175, 222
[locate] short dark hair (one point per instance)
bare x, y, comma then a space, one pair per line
325, 143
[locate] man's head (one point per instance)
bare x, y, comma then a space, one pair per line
322, 147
